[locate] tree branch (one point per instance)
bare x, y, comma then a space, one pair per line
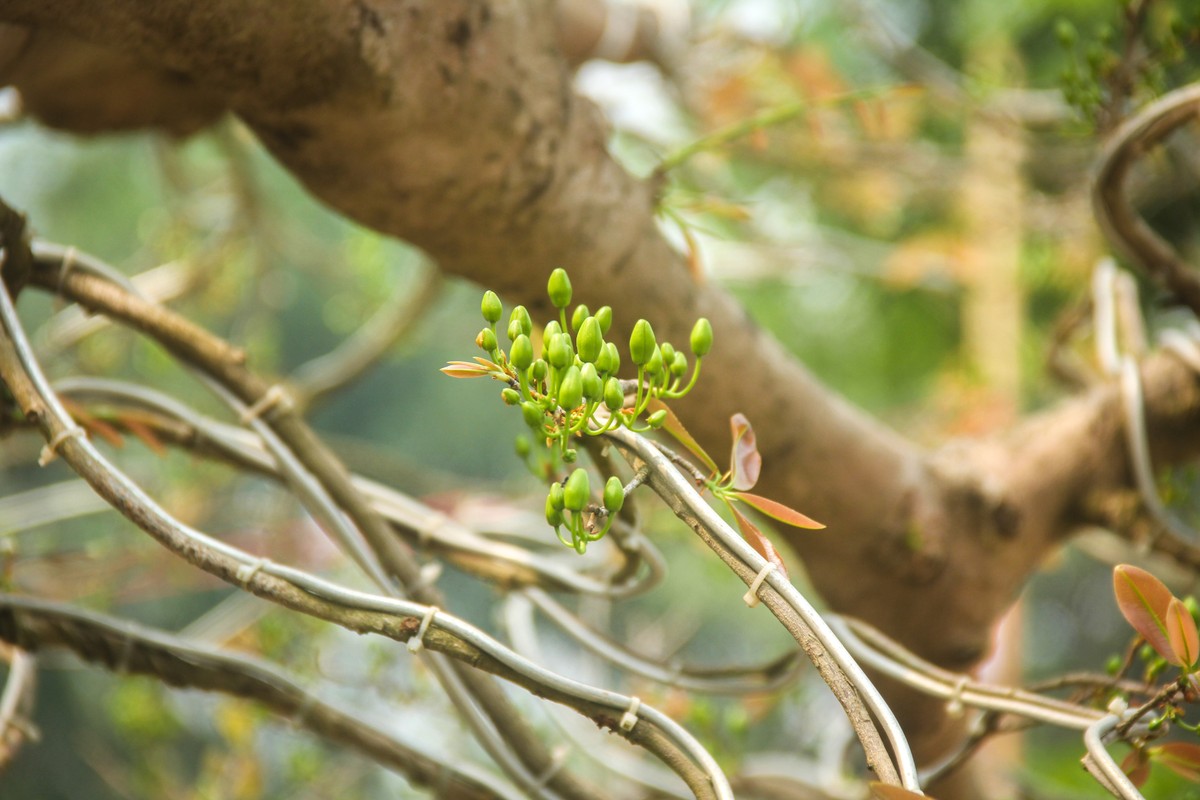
126, 648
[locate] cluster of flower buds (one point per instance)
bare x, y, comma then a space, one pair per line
565, 382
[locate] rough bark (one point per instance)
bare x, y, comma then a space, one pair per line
452, 124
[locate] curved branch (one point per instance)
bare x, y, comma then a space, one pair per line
1123, 226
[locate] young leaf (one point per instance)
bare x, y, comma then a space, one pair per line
464, 369
761, 544
744, 462
1136, 767
144, 433
1181, 630
777, 510
883, 791
674, 427
1143, 600
1181, 758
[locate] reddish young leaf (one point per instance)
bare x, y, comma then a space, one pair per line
95, 426
761, 544
464, 369
1136, 767
884, 791
144, 433
1181, 631
744, 462
1143, 600
1181, 758
674, 427
777, 511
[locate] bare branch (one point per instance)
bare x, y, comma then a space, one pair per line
124, 647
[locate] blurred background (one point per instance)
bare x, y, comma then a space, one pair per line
911, 218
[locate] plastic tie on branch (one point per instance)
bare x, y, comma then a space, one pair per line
954, 704
246, 572
69, 259
630, 717
274, 399
50, 451
558, 759
750, 598
417, 643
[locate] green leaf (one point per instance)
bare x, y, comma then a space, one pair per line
778, 511
1181, 758
1143, 600
756, 539
673, 426
744, 461
1181, 630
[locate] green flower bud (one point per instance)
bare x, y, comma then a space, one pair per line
553, 515
614, 395
657, 419
702, 337
589, 340
570, 392
491, 307
510, 396
514, 330
570, 454
533, 415
559, 288
614, 495
679, 364
560, 354
655, 364
523, 446
604, 317
641, 343
577, 490
593, 387
486, 340
521, 316
581, 313
539, 369
556, 496
521, 352
551, 330
668, 352
609, 360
